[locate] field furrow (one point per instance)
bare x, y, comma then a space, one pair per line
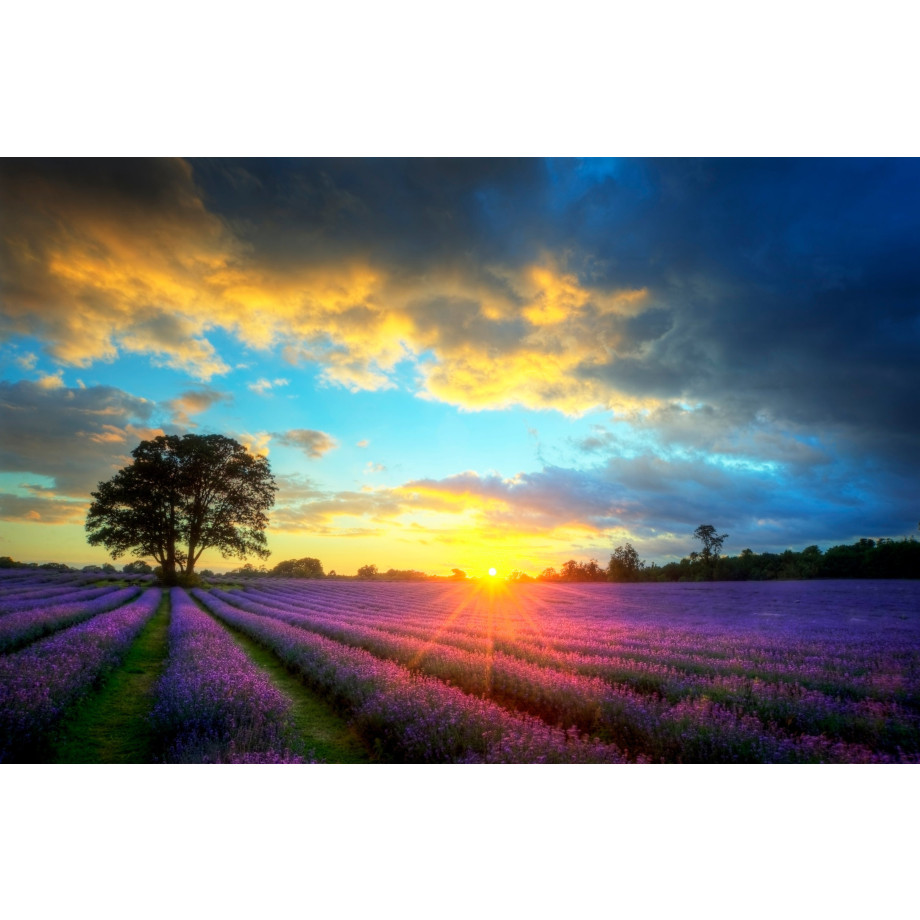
24, 626
39, 683
420, 718
647, 723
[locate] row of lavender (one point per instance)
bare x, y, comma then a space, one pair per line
422, 668
637, 685
212, 704
42, 681
875, 670
785, 630
413, 717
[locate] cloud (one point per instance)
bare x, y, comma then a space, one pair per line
38, 510
784, 289
342, 513
194, 402
262, 386
51, 381
255, 443
313, 443
76, 436
103, 256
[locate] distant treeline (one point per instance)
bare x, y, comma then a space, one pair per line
884, 558
865, 559
308, 567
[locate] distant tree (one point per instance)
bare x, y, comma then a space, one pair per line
246, 571
548, 574
625, 564
591, 571
458, 574
181, 496
7, 562
367, 571
517, 575
404, 575
712, 546
570, 571
138, 567
307, 567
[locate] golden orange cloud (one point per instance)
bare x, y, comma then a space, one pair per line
96, 275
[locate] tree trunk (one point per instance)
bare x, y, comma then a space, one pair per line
170, 576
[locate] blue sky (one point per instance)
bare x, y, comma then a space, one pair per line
471, 363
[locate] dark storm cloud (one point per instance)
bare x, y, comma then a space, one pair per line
782, 285
786, 286
407, 211
75, 436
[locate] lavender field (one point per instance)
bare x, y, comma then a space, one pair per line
483, 672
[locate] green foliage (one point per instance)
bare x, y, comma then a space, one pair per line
299, 568
138, 567
248, 571
625, 564
866, 558
180, 496
113, 725
572, 570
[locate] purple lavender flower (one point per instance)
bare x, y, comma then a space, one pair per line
213, 704
39, 683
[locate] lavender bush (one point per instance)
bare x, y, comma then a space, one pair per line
213, 704
41, 618
802, 672
420, 718
38, 684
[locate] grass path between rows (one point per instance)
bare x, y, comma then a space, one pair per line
112, 726
321, 728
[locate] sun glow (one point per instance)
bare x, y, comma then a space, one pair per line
492, 572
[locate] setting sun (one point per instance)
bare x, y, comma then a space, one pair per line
492, 572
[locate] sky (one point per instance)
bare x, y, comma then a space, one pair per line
470, 363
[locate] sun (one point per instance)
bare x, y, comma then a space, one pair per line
492, 572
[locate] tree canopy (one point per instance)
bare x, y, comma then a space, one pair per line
308, 567
181, 496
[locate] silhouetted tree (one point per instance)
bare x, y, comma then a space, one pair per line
712, 546
138, 567
181, 496
367, 571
